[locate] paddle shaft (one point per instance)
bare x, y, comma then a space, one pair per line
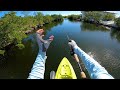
77, 60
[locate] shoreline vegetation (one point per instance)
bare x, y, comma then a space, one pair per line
97, 17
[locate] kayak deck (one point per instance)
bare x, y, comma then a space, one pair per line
65, 70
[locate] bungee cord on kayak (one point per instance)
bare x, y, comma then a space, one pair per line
95, 70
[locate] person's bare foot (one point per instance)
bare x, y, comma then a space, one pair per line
43, 43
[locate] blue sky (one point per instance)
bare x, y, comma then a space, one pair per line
46, 12
64, 13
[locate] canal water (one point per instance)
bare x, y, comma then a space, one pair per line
104, 44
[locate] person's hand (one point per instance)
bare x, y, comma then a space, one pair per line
44, 44
72, 43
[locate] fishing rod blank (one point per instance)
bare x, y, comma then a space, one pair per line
77, 60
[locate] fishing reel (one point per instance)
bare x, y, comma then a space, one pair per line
72, 52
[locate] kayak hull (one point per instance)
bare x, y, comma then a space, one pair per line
65, 70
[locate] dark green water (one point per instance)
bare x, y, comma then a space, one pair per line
102, 43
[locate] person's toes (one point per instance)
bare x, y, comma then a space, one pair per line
51, 37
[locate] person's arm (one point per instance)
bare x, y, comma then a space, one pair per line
38, 69
95, 70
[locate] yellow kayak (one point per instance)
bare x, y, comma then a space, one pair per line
65, 70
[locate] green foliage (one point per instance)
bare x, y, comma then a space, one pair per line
118, 22
74, 17
65, 16
92, 15
20, 46
115, 34
2, 52
97, 15
57, 17
39, 18
108, 16
11, 27
47, 19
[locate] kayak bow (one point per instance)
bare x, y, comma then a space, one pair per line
65, 70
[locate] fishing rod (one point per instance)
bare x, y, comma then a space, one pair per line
77, 59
